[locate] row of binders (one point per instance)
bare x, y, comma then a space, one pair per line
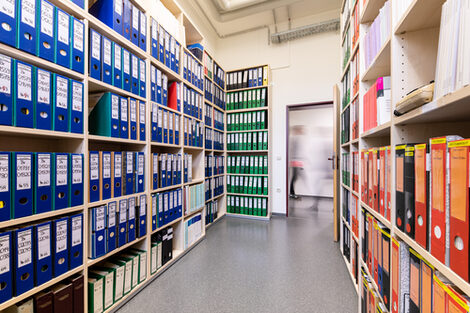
39, 182
123, 17
166, 169
248, 99
40, 28
247, 121
163, 92
192, 230
164, 47
214, 165
166, 207
114, 174
250, 185
115, 65
192, 102
118, 117
377, 34
165, 126
345, 169
35, 98
212, 211
194, 198
377, 104
247, 141
255, 206
214, 94
115, 224
214, 187
248, 78
214, 139
193, 132
247, 164
193, 71
219, 76
34, 254
161, 249
218, 120
110, 281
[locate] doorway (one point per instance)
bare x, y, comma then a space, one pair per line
309, 149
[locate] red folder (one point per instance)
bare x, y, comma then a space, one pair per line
382, 180
364, 155
421, 201
369, 244
375, 239
375, 177
173, 96
370, 180
455, 303
388, 201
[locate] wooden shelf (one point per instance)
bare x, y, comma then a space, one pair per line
167, 188
420, 14
345, 145
38, 133
115, 251
380, 66
166, 145
247, 151
355, 193
245, 89
370, 10
235, 174
355, 141
371, 278
247, 110
179, 219
192, 117
252, 217
172, 76
195, 181
192, 55
193, 148
116, 140
346, 187
193, 212
247, 131
346, 67
379, 131
194, 87
117, 199
377, 216
214, 176
97, 86
349, 268
166, 108
215, 198
246, 195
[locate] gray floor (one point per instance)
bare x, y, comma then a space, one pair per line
287, 265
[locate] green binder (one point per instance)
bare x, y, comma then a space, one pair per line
100, 118
255, 185
265, 140
265, 186
248, 121
108, 279
244, 96
250, 206
95, 294
265, 166
249, 143
259, 190
252, 164
245, 141
250, 185
127, 273
142, 263
237, 168
263, 102
135, 266
264, 208
258, 98
263, 120
260, 141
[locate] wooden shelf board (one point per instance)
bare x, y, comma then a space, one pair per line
349, 268
192, 117
355, 141
377, 216
217, 175
252, 217
235, 174
346, 187
245, 89
247, 131
166, 108
179, 219
167, 188
379, 131
192, 54
246, 195
216, 197
421, 14
265, 108
195, 243
90, 262
176, 255
116, 140
117, 199
355, 193
194, 87
380, 66
172, 76
71, 8
345, 108
370, 10
36, 133
371, 278
38, 217
193, 148
166, 145
190, 214
247, 151
345, 145
195, 181
218, 151
97, 86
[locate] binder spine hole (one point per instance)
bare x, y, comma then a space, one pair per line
106, 186
63, 52
77, 192
135, 35
43, 114
3, 107
118, 21
94, 187
76, 120
117, 76
107, 72
23, 201
46, 45
44, 268
61, 261
78, 59
133, 128
118, 185
76, 254
25, 111
2, 204
25, 276
61, 195
44, 197
458, 243
95, 66
61, 118
28, 36
6, 26
3, 285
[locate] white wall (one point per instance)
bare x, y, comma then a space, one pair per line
303, 71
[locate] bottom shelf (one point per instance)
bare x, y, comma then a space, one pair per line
215, 221
253, 217
348, 267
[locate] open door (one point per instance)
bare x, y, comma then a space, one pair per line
335, 161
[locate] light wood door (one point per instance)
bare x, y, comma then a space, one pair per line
335, 161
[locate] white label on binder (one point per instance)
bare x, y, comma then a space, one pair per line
61, 92
47, 17
44, 170
78, 35
44, 241
117, 57
63, 27
133, 105
106, 165
61, 170
108, 297
4, 173
25, 254
23, 172
143, 208
142, 70
28, 12
141, 164
143, 24
122, 211
76, 230
106, 51
118, 6
154, 29
131, 208
94, 166
123, 109
98, 295
154, 113
119, 282
77, 96
100, 213
117, 165
77, 169
44, 86
135, 17
8, 7
129, 162
135, 67
24, 82
127, 61
114, 107
4, 254
111, 214
142, 112
61, 236
5, 74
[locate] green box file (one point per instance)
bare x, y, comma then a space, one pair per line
250, 206
229, 122
262, 120
237, 208
265, 140
142, 263
249, 185
135, 267
248, 121
265, 186
265, 165
127, 273
259, 190
255, 185
249, 145
245, 205
153, 257
100, 118
243, 121
244, 141
242, 165
258, 206
264, 208
252, 164
108, 279
263, 102
95, 294
258, 98
119, 278
244, 99
260, 141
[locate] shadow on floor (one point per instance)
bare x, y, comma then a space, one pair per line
310, 207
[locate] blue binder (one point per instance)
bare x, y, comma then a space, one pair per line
177, 129
76, 180
117, 65
42, 253
165, 90
131, 219
105, 175
60, 179
26, 27
177, 57
94, 176
126, 70
166, 213
171, 213
77, 56
154, 46
24, 264
107, 60
60, 246
143, 31
7, 90
185, 65
142, 120
133, 118
161, 44
163, 163
134, 24
62, 38
95, 54
42, 182
8, 18
22, 187
101, 10
134, 74
142, 218
154, 122
76, 108
154, 171
45, 30
167, 49
6, 173
159, 87
98, 231
165, 126
142, 81
24, 110
126, 18
43, 110
179, 165
180, 202
76, 240
129, 173
61, 103
140, 183
80, 3
122, 237
178, 97
153, 83
173, 53
154, 212
175, 204
112, 227
124, 121
160, 209
117, 173
6, 277
169, 170
171, 119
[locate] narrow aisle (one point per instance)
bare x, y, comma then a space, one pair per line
288, 265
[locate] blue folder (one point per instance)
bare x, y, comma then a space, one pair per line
164, 90
142, 76
117, 65
160, 208
24, 265
22, 187
117, 170
6, 277
60, 181
107, 60
98, 231
8, 18
112, 226
43, 110
160, 125
45, 30
142, 216
101, 9
60, 246
76, 108
180, 202
24, 106
154, 212
153, 83
122, 237
135, 75
61, 103
161, 44
128, 163
143, 31
154, 122
42, 253
142, 120
62, 38
159, 87
155, 171
26, 27
166, 213
76, 240
126, 70
42, 182
105, 175
76, 179
7, 90
165, 126
177, 129
140, 181
167, 49
95, 54
5, 185
124, 120
134, 24
77, 55
126, 18
133, 118
94, 176
131, 232
154, 46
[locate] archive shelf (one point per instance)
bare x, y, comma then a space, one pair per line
252, 217
235, 174
117, 199
179, 219
166, 108
353, 280
247, 151
40, 133
190, 53
193, 213
379, 131
189, 148
97, 86
419, 15
380, 66
115, 251
370, 10
366, 269
165, 145
215, 198
245, 89
167, 188
377, 216
192, 117
248, 110
116, 140
346, 67
349, 227
247, 195
194, 87
172, 76
39, 217
194, 181
247, 131
346, 187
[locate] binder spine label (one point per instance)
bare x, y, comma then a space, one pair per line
133, 110
44, 87
77, 166
5, 74
115, 107
106, 165
78, 36
63, 29
61, 93
118, 7
28, 12
117, 165
24, 248
4, 254
23, 172
95, 49
61, 233
77, 97
127, 65
47, 16
8, 7
100, 218
76, 230
4, 174
61, 170
24, 82
94, 166
141, 164
117, 58
107, 52
44, 170
44, 241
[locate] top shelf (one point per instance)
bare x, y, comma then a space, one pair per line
421, 14
371, 10
380, 66
246, 89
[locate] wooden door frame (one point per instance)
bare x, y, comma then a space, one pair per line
288, 108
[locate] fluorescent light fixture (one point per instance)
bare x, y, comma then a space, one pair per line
230, 5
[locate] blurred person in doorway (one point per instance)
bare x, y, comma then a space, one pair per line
296, 162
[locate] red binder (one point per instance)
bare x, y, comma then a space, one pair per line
388, 201
382, 180
370, 179
395, 276
459, 206
375, 238
173, 96
421, 207
364, 176
375, 179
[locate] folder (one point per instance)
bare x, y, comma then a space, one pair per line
154, 123
166, 212
421, 194
126, 19
133, 118
76, 240
105, 175
104, 117
42, 253
60, 120
135, 88
95, 186
142, 120
8, 18
161, 44
134, 24
400, 186
112, 227
95, 54
426, 283
24, 267
62, 38
26, 27
6, 276
140, 186
128, 172
6, 173
76, 180
154, 45
95, 294
45, 30
131, 219
77, 282
76, 110
155, 170
122, 236
160, 125
172, 53
60, 181
117, 66
143, 31
60, 252
43, 109
170, 127
101, 10
116, 158
108, 281
7, 89
164, 90
159, 87
43, 302
142, 218
22, 197
177, 129
415, 279
97, 232
24, 106
42, 182
142, 78
107, 61
167, 49
126, 70
124, 121
154, 212
153, 83
77, 55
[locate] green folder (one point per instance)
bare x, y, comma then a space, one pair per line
248, 121
242, 165
250, 185
127, 273
265, 186
255, 143
244, 97
252, 164
264, 208
229, 122
135, 266
108, 279
265, 166
255, 185
263, 120
263, 102
250, 206
142, 263
260, 141
100, 118
265, 140
237, 168
153, 257
259, 190
249, 143
245, 141
258, 98
95, 294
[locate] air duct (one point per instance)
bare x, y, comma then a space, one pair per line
304, 31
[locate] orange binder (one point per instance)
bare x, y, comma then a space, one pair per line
459, 206
395, 276
364, 175
370, 179
382, 180
415, 280
421, 191
426, 287
388, 199
375, 178
455, 303
369, 242
438, 295
375, 246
